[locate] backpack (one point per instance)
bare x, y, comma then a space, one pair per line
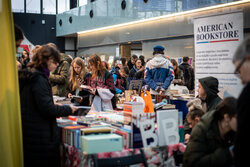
188, 73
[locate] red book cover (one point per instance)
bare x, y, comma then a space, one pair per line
125, 137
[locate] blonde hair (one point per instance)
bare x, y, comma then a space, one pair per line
73, 79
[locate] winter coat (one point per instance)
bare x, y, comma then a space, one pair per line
243, 115
159, 72
38, 112
188, 73
135, 74
178, 76
120, 82
210, 85
106, 82
129, 64
206, 148
59, 78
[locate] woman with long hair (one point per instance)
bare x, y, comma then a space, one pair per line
101, 78
38, 111
79, 76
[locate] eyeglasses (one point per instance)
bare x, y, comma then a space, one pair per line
237, 69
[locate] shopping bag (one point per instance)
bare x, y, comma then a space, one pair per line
148, 102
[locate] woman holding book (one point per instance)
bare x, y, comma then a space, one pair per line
101, 78
39, 113
79, 76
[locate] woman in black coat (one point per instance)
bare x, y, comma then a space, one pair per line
39, 113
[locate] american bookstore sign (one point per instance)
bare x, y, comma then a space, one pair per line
216, 39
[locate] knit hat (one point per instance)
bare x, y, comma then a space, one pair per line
158, 48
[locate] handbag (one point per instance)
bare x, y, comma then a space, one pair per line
149, 108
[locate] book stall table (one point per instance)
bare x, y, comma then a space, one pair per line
113, 137
180, 101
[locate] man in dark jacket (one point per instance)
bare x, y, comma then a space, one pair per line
241, 61
131, 61
188, 73
59, 78
207, 92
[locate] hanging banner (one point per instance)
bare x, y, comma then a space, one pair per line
216, 40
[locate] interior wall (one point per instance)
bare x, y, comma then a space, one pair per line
109, 50
36, 32
70, 46
173, 48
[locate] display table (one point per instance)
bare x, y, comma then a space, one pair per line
155, 156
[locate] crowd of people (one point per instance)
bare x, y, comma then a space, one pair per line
156, 74
213, 126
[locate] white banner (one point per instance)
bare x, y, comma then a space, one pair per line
216, 40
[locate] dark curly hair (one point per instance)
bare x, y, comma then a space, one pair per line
42, 56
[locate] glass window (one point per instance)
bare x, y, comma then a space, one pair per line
63, 5
49, 6
83, 2
33, 6
17, 6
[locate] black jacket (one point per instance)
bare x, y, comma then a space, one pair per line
38, 112
243, 115
210, 85
206, 148
129, 64
135, 74
84, 93
188, 73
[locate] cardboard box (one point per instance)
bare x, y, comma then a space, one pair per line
93, 144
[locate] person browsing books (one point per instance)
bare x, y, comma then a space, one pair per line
38, 111
101, 78
78, 76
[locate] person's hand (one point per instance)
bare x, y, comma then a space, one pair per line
92, 91
158, 89
79, 100
187, 136
73, 108
142, 68
58, 104
69, 95
162, 92
80, 81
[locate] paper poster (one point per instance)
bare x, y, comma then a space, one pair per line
216, 40
117, 52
